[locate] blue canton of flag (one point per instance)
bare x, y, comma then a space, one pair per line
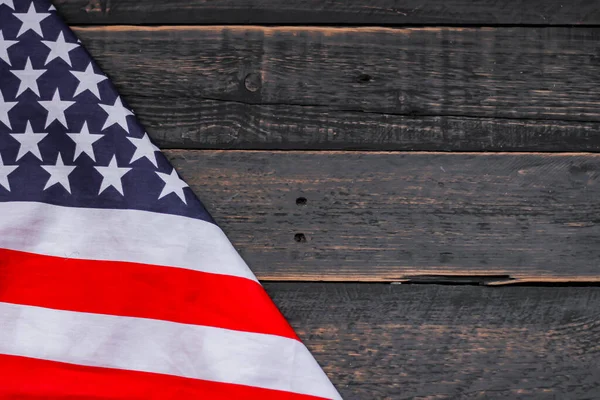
66, 136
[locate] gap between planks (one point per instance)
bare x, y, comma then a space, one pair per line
469, 278
399, 152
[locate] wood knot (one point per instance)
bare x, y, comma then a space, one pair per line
94, 6
252, 82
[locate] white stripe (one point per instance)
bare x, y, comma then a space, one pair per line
119, 235
147, 345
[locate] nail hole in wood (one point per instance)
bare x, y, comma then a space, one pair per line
363, 78
252, 82
301, 201
300, 238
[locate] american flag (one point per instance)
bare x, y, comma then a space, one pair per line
115, 282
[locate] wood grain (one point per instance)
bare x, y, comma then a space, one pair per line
208, 124
325, 78
487, 72
306, 12
449, 342
374, 216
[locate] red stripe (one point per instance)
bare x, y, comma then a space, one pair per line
139, 290
29, 378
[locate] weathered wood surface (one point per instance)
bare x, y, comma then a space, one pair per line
208, 124
449, 342
421, 217
488, 72
368, 88
306, 12
394, 216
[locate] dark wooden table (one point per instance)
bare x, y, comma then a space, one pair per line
416, 182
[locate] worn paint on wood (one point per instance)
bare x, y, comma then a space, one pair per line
393, 216
449, 342
306, 12
524, 73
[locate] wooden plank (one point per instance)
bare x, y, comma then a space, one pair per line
306, 12
375, 216
372, 74
208, 124
449, 342
487, 72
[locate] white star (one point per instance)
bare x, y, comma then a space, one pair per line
5, 171
173, 184
29, 142
59, 173
111, 176
117, 114
52, 8
84, 141
88, 80
59, 49
28, 77
4, 45
56, 109
9, 3
31, 20
5, 107
144, 148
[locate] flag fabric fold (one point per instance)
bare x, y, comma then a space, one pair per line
115, 282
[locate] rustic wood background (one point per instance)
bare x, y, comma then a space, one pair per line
347, 146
